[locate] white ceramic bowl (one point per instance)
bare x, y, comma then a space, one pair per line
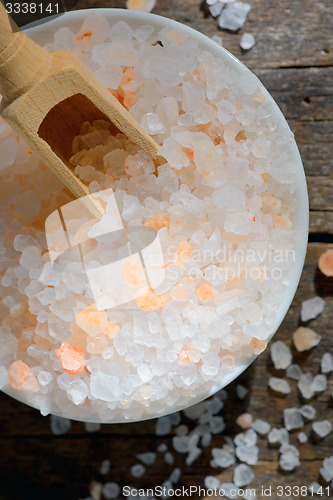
73, 20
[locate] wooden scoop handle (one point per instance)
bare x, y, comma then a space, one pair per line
22, 61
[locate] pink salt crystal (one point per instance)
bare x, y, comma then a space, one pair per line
325, 263
245, 420
96, 490
305, 338
21, 378
142, 5
72, 358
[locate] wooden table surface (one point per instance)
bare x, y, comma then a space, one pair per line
293, 58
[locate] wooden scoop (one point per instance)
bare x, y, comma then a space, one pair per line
46, 99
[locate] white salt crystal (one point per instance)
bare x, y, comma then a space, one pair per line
278, 436
121, 32
234, 16
237, 223
193, 455
211, 482
326, 470
308, 412
143, 33
163, 426
279, 385
110, 75
261, 427
30, 258
281, 355
8, 152
305, 338
167, 178
292, 418
175, 475
189, 203
302, 437
44, 378
312, 308
59, 425
319, 383
147, 458
327, 363
248, 454
243, 475
78, 391
23, 241
137, 470
131, 207
63, 39
105, 387
294, 372
152, 124
229, 198
322, 428
105, 467
305, 386
229, 490
223, 458
247, 41
214, 405
50, 274
241, 391
111, 490
215, 9
289, 458
248, 438
169, 458
144, 372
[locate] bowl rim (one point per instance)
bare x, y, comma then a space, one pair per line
39, 30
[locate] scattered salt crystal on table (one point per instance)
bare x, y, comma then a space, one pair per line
247, 41
243, 475
59, 425
327, 363
105, 467
248, 454
142, 5
281, 355
305, 338
147, 458
319, 383
326, 470
292, 418
245, 420
322, 428
215, 9
294, 372
312, 308
241, 391
305, 385
163, 426
223, 458
211, 482
169, 458
302, 437
289, 458
278, 436
325, 263
279, 385
308, 412
137, 470
234, 16
175, 475
162, 448
111, 490
261, 427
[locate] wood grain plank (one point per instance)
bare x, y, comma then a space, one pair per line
296, 33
